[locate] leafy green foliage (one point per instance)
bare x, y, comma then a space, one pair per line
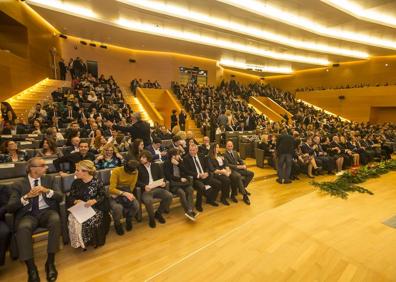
347, 182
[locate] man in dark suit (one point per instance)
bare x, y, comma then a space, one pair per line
139, 129
5, 232
285, 147
156, 150
73, 158
238, 166
148, 173
203, 149
69, 115
36, 204
197, 167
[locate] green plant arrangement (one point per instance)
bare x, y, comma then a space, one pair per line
347, 182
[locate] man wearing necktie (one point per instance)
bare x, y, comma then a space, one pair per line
204, 183
239, 171
35, 205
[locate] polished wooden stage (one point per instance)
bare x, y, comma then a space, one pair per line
289, 233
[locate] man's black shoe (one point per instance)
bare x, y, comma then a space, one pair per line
246, 200
159, 217
52, 273
33, 275
128, 224
119, 229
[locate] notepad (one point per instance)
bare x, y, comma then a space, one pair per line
81, 212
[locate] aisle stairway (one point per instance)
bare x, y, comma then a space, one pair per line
190, 123
135, 104
38, 93
165, 101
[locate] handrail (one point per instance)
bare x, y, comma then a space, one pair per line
150, 109
270, 113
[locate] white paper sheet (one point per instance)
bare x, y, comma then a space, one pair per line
82, 213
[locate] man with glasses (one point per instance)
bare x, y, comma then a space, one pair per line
35, 204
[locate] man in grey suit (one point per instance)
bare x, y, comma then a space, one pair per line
36, 204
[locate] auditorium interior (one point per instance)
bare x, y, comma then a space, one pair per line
211, 140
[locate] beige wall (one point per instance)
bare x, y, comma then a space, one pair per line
20, 72
371, 71
357, 103
161, 66
383, 114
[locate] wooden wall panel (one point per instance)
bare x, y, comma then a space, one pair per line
383, 114
357, 103
371, 71
16, 72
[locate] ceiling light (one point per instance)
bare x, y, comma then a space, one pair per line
265, 10
64, 7
244, 66
178, 34
360, 12
216, 42
183, 13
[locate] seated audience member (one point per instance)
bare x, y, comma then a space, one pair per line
35, 204
336, 152
203, 149
148, 173
11, 153
177, 143
89, 189
237, 164
5, 232
164, 133
135, 149
73, 158
72, 131
218, 166
53, 133
190, 136
179, 183
37, 113
306, 155
204, 183
108, 157
157, 151
49, 149
36, 128
74, 145
122, 201
97, 144
322, 158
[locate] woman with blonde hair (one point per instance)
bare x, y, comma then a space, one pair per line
109, 157
90, 190
230, 122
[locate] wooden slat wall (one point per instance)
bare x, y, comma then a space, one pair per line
18, 73
357, 103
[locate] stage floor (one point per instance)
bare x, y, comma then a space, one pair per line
289, 233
